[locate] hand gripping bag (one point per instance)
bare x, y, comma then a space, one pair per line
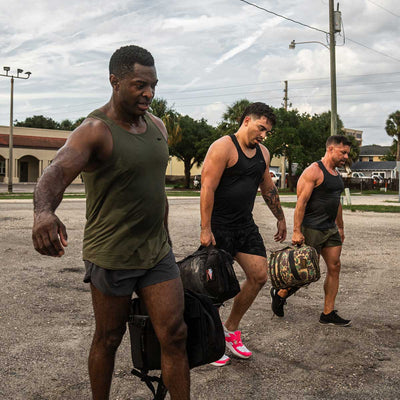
293, 267
209, 271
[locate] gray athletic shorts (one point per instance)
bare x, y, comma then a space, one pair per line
125, 282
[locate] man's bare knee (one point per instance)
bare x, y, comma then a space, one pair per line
334, 268
111, 339
173, 336
258, 279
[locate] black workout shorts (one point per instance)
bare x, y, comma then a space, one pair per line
247, 240
124, 282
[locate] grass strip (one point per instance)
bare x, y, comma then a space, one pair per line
359, 207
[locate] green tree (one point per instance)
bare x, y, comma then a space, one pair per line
391, 154
77, 123
38, 121
42, 122
285, 140
393, 130
231, 117
354, 150
159, 107
172, 123
196, 137
66, 125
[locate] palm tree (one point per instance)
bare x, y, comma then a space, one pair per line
393, 129
232, 115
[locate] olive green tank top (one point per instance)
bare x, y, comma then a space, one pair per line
125, 200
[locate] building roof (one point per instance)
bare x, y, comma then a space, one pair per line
374, 150
34, 142
373, 165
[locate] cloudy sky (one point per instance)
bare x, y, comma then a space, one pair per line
208, 54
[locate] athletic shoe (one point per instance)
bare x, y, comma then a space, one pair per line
224, 360
235, 345
333, 319
277, 303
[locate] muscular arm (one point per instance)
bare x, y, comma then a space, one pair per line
214, 165
339, 222
307, 181
49, 233
271, 197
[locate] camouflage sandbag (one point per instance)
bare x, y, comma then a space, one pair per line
293, 267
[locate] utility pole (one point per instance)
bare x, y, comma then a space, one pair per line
333, 28
10, 140
283, 175
286, 98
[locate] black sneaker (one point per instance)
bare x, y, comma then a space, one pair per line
333, 319
277, 303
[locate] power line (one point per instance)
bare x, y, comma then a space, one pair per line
376, 51
271, 82
383, 8
320, 30
282, 16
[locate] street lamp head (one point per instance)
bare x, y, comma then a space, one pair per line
6, 69
19, 71
28, 73
292, 45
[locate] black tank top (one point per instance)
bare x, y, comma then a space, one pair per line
322, 207
237, 190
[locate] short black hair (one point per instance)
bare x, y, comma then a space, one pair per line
338, 139
123, 60
259, 110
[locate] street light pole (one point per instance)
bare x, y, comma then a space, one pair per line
334, 27
10, 140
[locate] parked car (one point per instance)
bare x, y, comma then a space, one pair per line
377, 177
197, 181
275, 176
360, 175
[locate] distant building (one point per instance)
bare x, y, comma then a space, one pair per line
34, 150
385, 169
355, 133
373, 152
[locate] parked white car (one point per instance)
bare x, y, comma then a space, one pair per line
359, 175
275, 176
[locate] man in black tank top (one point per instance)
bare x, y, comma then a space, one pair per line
234, 168
318, 222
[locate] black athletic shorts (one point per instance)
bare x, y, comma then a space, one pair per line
123, 282
247, 240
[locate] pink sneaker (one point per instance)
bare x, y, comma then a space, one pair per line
224, 360
235, 345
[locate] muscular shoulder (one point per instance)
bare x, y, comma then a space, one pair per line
92, 137
160, 125
222, 146
265, 153
218, 155
91, 130
313, 173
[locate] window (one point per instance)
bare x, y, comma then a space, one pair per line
2, 167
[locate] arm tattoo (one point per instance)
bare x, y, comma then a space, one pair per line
274, 204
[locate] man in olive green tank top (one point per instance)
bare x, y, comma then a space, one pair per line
122, 152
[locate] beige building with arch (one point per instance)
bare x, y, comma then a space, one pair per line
34, 149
